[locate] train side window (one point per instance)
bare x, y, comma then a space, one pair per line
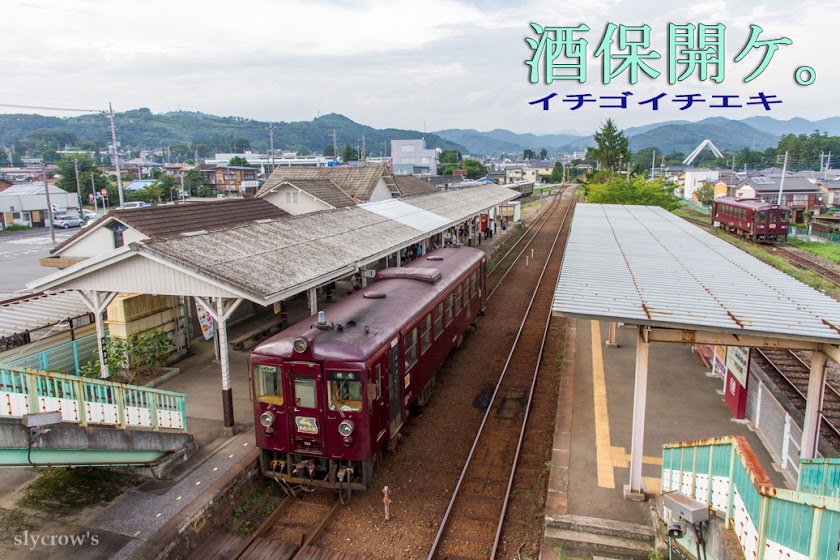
269, 385
473, 282
411, 348
438, 319
426, 333
762, 216
466, 286
345, 390
458, 299
448, 308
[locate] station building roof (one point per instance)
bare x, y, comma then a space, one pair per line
272, 259
643, 265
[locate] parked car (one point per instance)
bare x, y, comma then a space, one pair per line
89, 215
134, 204
65, 221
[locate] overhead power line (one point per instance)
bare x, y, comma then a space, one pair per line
52, 108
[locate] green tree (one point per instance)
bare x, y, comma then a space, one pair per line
543, 153
5, 160
634, 191
328, 150
474, 169
349, 153
238, 161
705, 194
450, 156
612, 147
194, 181
528, 153
556, 173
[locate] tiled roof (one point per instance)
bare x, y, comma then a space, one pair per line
166, 221
323, 189
409, 185
771, 184
358, 182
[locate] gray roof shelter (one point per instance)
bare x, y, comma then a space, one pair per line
644, 266
267, 260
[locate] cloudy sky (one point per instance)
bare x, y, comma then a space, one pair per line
430, 64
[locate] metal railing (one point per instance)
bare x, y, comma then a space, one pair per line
67, 357
769, 522
89, 402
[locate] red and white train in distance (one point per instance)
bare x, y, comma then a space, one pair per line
332, 390
751, 218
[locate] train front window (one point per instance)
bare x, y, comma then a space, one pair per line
762, 216
269, 384
785, 216
306, 392
345, 390
772, 216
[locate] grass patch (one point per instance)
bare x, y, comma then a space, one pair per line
515, 233
13, 522
259, 504
828, 251
64, 491
560, 551
691, 214
15, 227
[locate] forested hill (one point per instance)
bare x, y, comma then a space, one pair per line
184, 132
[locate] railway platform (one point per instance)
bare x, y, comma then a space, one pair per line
591, 453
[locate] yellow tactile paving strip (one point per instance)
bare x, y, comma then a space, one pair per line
608, 456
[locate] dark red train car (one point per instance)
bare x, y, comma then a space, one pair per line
751, 218
331, 391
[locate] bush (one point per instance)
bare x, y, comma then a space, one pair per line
16, 227
142, 354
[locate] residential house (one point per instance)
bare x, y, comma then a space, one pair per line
232, 180
800, 194
140, 167
411, 157
693, 178
830, 188
26, 204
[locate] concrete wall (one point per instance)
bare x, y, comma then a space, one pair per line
294, 201
98, 241
695, 179
380, 192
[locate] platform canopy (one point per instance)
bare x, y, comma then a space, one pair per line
645, 266
269, 260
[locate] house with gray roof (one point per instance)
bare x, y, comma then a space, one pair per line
800, 194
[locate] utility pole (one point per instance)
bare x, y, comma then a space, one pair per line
362, 155
827, 166
78, 186
271, 144
93, 190
652, 164
110, 116
49, 203
782, 182
335, 148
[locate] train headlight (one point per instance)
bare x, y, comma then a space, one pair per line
345, 428
267, 419
300, 345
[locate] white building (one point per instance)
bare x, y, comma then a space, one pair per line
26, 205
694, 179
410, 157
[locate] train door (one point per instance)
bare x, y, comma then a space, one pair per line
307, 420
395, 388
378, 411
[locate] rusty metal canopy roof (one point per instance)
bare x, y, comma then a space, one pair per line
35, 311
643, 265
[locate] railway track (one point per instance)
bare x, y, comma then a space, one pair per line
790, 374
793, 257
286, 534
474, 519
509, 259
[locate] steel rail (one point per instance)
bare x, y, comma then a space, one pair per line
544, 218
829, 423
455, 494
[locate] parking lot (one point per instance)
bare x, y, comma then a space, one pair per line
20, 251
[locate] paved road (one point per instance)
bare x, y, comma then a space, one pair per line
19, 254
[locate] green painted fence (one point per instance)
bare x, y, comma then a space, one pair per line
771, 523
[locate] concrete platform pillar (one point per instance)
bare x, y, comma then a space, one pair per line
813, 406
611, 343
313, 301
635, 490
